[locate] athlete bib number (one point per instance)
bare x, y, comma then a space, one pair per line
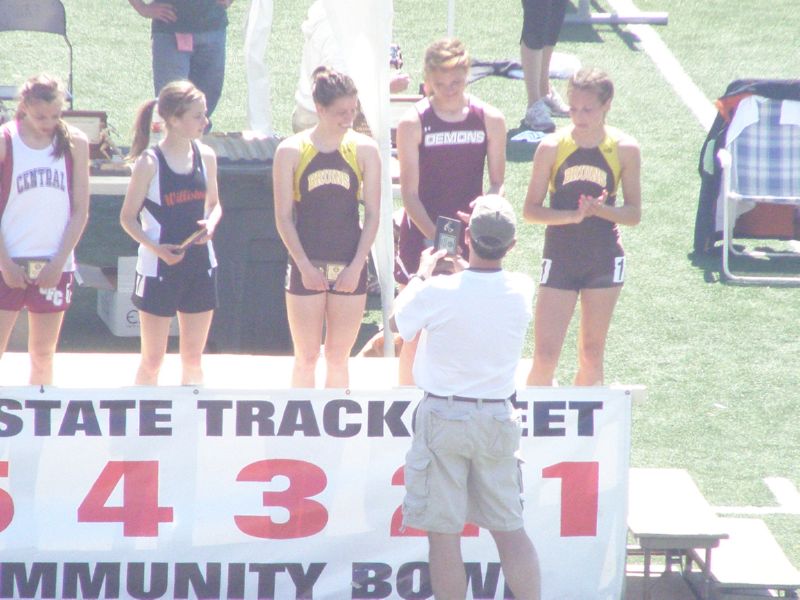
547, 264
619, 269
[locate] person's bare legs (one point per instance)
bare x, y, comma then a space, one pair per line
306, 315
554, 310
342, 322
532, 65
154, 337
448, 577
8, 319
193, 336
43, 330
597, 308
544, 71
520, 563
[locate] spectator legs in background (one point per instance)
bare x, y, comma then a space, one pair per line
204, 65
207, 70
537, 115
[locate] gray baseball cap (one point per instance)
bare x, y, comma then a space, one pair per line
493, 224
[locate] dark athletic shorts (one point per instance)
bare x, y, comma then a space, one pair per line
570, 273
294, 283
37, 300
541, 22
179, 290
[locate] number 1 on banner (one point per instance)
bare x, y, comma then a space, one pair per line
579, 492
140, 513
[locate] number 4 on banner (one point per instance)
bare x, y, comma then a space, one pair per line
140, 513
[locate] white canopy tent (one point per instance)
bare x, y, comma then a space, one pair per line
256, 42
363, 30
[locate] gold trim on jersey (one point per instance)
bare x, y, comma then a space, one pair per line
348, 149
609, 150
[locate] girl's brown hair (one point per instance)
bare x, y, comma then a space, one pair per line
328, 85
446, 54
592, 79
173, 101
44, 88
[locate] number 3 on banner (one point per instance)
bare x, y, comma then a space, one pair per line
6, 503
140, 513
579, 491
306, 517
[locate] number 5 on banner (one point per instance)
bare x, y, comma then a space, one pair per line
6, 503
140, 513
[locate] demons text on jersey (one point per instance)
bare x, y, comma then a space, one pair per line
454, 138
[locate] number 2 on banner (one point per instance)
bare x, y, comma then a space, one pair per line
140, 513
6, 503
579, 492
399, 478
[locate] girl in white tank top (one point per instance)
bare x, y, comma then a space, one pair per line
44, 206
38, 206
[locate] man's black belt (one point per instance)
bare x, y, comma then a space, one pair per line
472, 400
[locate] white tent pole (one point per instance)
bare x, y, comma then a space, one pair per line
383, 250
451, 18
256, 42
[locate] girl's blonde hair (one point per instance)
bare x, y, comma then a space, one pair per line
45, 88
174, 100
446, 54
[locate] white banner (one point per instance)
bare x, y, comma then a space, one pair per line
185, 493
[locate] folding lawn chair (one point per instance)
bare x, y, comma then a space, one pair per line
760, 173
43, 16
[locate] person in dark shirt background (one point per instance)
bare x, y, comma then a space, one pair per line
188, 43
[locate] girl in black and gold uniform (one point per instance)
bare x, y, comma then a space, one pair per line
582, 166
319, 175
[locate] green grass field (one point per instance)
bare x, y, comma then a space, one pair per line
720, 361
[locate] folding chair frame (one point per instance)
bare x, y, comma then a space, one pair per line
730, 199
9, 23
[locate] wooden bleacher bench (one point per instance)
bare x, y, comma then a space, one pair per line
750, 563
667, 514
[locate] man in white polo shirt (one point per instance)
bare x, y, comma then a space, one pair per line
462, 466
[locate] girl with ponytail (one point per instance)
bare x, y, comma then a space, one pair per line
172, 208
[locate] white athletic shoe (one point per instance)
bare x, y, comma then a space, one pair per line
538, 118
556, 104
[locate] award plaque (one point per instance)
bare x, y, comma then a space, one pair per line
32, 266
448, 234
94, 124
331, 270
